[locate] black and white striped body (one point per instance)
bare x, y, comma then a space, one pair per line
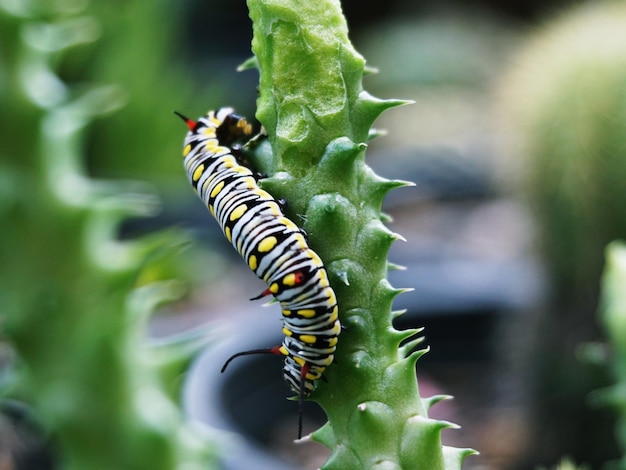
272, 245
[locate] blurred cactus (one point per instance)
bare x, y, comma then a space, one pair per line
566, 464
318, 119
67, 296
138, 49
566, 102
613, 320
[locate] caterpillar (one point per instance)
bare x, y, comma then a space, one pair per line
272, 245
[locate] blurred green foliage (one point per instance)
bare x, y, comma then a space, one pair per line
565, 100
139, 52
74, 298
458, 48
613, 320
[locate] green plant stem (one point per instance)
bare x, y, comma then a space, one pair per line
318, 120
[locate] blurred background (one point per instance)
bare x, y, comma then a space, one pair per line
517, 147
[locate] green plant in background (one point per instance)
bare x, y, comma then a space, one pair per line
318, 119
137, 50
566, 464
68, 299
566, 101
613, 320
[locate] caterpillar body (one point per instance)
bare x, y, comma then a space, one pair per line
272, 245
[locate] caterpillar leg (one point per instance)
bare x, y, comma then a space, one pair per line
237, 151
282, 204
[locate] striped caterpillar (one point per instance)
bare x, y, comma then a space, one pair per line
272, 245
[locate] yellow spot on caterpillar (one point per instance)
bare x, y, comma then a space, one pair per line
227, 233
315, 259
286, 313
289, 280
186, 150
332, 342
283, 350
267, 244
329, 360
287, 332
301, 362
334, 315
197, 173
310, 339
252, 262
289, 224
308, 313
275, 210
302, 242
242, 170
274, 288
238, 212
217, 189
313, 376
336, 328
212, 210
